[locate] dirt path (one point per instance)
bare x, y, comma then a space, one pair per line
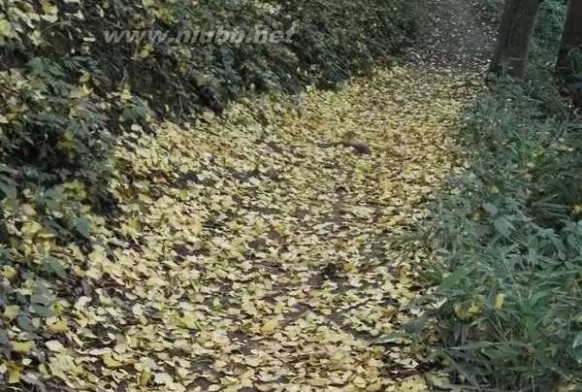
257, 254
254, 252
458, 36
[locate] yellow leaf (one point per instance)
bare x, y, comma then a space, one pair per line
47, 7
125, 95
359, 382
133, 223
499, 300
566, 388
163, 378
28, 210
22, 347
13, 372
109, 362
67, 141
9, 272
56, 325
145, 377
189, 321
94, 273
405, 275
470, 310
11, 311
413, 384
270, 326
474, 309
80, 92
5, 28
35, 37
54, 345
317, 382
144, 52
85, 77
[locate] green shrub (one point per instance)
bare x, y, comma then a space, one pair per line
508, 238
551, 18
512, 286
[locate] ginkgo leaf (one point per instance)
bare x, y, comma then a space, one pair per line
189, 321
163, 378
11, 311
54, 345
499, 301
5, 28
270, 326
22, 347
57, 325
13, 372
240, 251
9, 272
145, 377
110, 362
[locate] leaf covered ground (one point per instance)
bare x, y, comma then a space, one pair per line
253, 252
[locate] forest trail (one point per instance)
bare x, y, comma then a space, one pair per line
256, 252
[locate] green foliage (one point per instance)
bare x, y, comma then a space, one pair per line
508, 238
495, 236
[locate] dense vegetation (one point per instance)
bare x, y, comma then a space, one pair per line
509, 238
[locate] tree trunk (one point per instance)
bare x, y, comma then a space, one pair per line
517, 27
571, 39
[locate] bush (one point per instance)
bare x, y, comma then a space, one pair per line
512, 283
508, 240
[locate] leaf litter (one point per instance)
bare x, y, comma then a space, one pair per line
257, 251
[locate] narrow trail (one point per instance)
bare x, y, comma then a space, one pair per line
255, 252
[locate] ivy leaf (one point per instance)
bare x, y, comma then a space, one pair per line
83, 227
53, 266
24, 322
42, 310
22, 347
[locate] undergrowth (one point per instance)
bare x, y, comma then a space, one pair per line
508, 237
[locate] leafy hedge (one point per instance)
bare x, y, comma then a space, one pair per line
508, 238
